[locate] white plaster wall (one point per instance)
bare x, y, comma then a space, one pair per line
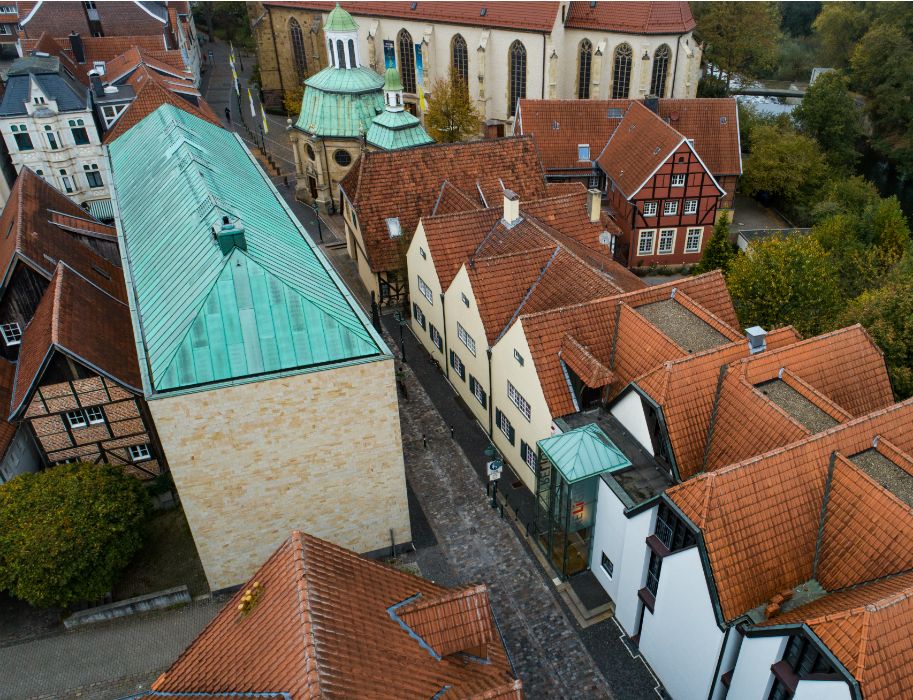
680, 639
629, 411
433, 310
730, 654
752, 677
822, 690
633, 572
609, 531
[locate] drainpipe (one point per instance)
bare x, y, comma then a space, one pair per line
272, 32
678, 43
446, 344
490, 393
544, 40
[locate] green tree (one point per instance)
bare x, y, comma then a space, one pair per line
797, 17
719, 251
887, 229
887, 314
451, 114
785, 280
838, 27
67, 533
850, 195
829, 114
740, 37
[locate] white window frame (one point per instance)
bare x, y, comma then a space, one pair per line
479, 393
425, 290
518, 357
12, 333
535, 458
699, 230
659, 242
583, 151
679, 179
457, 365
419, 315
437, 339
94, 415
76, 419
466, 339
690, 206
504, 424
650, 209
139, 453
516, 398
640, 242
670, 207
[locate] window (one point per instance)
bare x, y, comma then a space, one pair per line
671, 530
421, 251
653, 571
78, 129
666, 241
504, 425
645, 242
529, 455
67, 182
342, 158
458, 365
649, 208
584, 62
52, 138
583, 151
76, 419
95, 415
418, 315
425, 290
23, 140
478, 391
466, 339
693, 240
801, 658
394, 229
93, 177
331, 54
518, 357
310, 151
670, 208
352, 62
111, 113
517, 398
607, 565
340, 54
8, 9
516, 74
691, 206
465, 300
138, 453
678, 180
12, 333
436, 337
660, 71
99, 66
621, 72
459, 58
406, 60
297, 39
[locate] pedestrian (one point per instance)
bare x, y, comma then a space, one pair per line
228, 115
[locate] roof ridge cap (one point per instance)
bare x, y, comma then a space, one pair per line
528, 294
308, 631
55, 309
515, 253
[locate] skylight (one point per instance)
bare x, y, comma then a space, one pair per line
393, 227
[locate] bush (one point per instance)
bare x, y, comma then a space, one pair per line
67, 533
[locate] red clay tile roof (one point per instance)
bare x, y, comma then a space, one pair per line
332, 624
83, 225
451, 201
632, 17
7, 429
453, 237
169, 63
28, 235
561, 125
867, 628
83, 322
591, 371
406, 184
760, 518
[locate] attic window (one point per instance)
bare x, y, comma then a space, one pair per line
483, 12
393, 227
413, 6
724, 120
615, 113
583, 151
555, 126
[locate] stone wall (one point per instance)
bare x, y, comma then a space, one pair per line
319, 452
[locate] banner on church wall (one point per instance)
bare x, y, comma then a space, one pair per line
389, 54
419, 77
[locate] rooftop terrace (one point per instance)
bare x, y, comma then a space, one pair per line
796, 405
681, 325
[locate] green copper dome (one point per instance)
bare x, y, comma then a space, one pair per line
340, 21
392, 81
392, 131
341, 102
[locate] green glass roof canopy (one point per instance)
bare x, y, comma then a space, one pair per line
210, 310
583, 452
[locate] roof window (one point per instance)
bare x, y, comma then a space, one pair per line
483, 12
555, 125
615, 113
724, 120
393, 227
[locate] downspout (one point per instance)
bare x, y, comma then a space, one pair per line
675, 66
272, 32
446, 344
490, 392
544, 40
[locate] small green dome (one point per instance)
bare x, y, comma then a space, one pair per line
392, 81
340, 21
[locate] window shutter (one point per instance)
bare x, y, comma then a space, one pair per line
484, 398
472, 384
498, 417
523, 448
511, 436
451, 359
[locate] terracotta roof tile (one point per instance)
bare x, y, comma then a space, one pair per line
334, 625
451, 201
453, 237
407, 184
591, 371
632, 17
7, 429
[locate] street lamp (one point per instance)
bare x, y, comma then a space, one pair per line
317, 216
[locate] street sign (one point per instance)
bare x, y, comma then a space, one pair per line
494, 469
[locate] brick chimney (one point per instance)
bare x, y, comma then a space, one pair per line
594, 204
95, 81
511, 207
79, 52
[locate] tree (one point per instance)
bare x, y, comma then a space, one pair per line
451, 115
719, 251
66, 533
291, 100
740, 37
829, 115
887, 314
839, 26
797, 17
851, 195
785, 280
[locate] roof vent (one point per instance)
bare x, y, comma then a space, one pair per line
230, 235
757, 339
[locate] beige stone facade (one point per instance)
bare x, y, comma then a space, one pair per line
319, 452
317, 168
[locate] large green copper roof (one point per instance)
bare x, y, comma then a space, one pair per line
583, 452
203, 316
339, 21
394, 130
341, 102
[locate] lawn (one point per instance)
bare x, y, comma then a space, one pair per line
168, 559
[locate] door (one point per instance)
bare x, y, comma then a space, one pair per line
312, 185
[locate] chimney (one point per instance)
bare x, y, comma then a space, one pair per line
79, 52
757, 339
230, 236
95, 81
511, 207
651, 102
594, 204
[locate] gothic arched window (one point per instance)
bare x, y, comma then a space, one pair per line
406, 61
340, 54
621, 72
351, 53
584, 63
459, 58
660, 71
301, 61
517, 75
